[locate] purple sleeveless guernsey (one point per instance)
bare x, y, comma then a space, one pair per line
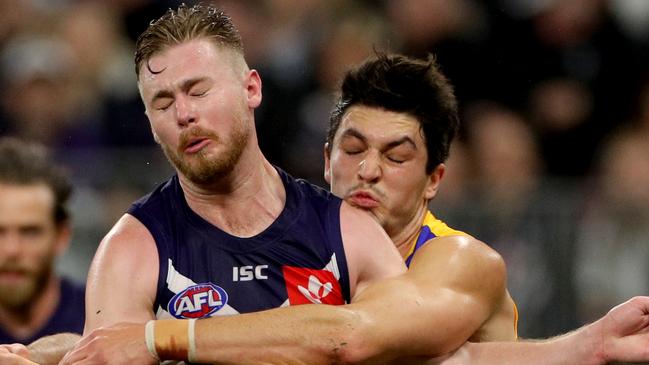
204, 271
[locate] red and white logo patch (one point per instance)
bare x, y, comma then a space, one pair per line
312, 286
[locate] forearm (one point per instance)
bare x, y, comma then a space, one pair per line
306, 334
576, 348
51, 349
372, 330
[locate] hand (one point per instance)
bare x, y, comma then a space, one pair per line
625, 331
120, 344
14, 354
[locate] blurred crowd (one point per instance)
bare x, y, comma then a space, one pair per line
551, 168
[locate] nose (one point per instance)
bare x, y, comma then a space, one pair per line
369, 170
9, 244
185, 113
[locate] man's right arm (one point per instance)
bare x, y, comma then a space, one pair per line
121, 287
123, 277
621, 335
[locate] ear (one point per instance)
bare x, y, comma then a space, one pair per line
63, 235
327, 164
434, 181
254, 89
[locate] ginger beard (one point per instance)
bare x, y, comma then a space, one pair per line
204, 166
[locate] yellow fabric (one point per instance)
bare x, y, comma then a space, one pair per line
437, 228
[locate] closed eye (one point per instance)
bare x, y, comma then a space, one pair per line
164, 106
199, 93
396, 160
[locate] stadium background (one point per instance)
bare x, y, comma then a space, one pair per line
552, 167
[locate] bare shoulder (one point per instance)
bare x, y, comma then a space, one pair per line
476, 273
128, 228
127, 237
122, 280
463, 258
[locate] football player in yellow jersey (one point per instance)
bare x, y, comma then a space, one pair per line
388, 138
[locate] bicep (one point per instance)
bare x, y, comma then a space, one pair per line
123, 276
462, 283
445, 297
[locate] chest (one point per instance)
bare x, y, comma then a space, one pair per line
204, 275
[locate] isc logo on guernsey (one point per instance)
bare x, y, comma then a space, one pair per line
198, 301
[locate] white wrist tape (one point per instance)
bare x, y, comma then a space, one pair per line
191, 339
149, 336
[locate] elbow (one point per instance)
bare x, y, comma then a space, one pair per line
358, 343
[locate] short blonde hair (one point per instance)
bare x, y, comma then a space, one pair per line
185, 24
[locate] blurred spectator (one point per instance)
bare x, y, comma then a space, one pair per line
103, 88
613, 253
349, 40
577, 43
13, 16
525, 217
37, 97
34, 230
455, 184
560, 110
456, 32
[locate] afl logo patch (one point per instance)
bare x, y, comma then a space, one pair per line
198, 301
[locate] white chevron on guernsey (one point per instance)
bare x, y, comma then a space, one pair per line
333, 267
177, 282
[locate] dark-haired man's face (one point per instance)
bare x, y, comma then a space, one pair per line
29, 242
378, 163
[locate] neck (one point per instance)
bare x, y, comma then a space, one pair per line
25, 321
252, 189
404, 237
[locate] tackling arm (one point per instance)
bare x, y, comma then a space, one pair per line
453, 287
621, 335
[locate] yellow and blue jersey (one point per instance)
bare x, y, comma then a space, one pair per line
431, 228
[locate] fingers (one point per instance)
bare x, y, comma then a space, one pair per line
16, 348
19, 349
74, 356
8, 358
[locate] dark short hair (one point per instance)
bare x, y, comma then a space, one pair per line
27, 163
405, 85
184, 24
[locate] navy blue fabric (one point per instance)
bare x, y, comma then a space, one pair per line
306, 235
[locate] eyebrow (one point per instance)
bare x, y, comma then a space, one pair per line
351, 132
184, 86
